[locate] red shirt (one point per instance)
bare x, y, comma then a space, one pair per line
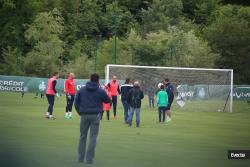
50, 89
114, 88
69, 86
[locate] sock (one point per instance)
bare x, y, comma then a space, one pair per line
70, 114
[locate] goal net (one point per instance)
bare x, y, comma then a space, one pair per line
196, 89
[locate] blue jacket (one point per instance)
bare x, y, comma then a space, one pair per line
89, 99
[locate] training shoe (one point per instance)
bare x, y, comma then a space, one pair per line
52, 118
80, 160
89, 162
168, 120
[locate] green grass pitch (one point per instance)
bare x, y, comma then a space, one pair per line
193, 138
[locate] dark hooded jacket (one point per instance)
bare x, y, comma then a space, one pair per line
89, 99
135, 95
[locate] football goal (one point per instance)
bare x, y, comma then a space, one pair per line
196, 89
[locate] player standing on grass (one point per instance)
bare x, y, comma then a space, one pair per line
162, 102
115, 90
135, 96
88, 104
150, 91
170, 91
50, 94
70, 91
124, 93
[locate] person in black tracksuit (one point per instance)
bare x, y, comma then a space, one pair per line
170, 91
124, 93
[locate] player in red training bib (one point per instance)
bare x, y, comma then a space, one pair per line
70, 91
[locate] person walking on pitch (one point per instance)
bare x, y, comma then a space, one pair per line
125, 88
115, 90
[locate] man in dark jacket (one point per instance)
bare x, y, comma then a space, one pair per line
88, 104
134, 98
124, 93
170, 91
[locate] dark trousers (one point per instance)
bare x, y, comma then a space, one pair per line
70, 100
114, 103
151, 101
107, 114
162, 111
51, 100
125, 107
91, 122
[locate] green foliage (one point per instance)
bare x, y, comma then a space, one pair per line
82, 47
229, 35
81, 66
105, 54
9, 65
161, 14
149, 32
43, 34
116, 21
47, 25
200, 10
8, 3
172, 48
204, 10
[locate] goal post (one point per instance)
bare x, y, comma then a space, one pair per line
196, 88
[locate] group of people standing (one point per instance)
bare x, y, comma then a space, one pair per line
70, 91
131, 97
91, 101
165, 97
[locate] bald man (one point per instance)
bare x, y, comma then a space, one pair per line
114, 90
134, 98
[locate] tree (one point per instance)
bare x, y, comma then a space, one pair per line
14, 15
105, 54
47, 47
229, 35
10, 62
174, 47
82, 67
161, 14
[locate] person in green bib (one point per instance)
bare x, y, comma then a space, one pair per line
162, 102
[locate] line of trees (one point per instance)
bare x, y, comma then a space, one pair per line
41, 36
